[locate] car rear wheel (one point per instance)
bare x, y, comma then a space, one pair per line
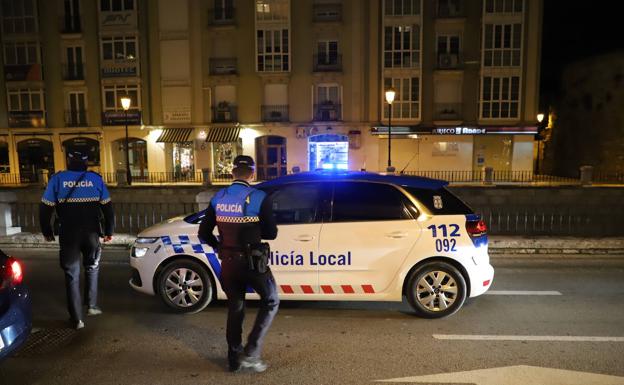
436, 290
185, 286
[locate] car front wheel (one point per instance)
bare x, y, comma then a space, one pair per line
185, 286
436, 290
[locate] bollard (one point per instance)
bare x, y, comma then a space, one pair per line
43, 176
488, 176
6, 223
586, 175
122, 179
390, 170
206, 177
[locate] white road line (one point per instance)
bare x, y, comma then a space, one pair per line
476, 337
522, 292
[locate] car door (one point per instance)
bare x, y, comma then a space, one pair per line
373, 226
297, 209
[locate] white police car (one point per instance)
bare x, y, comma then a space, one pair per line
348, 236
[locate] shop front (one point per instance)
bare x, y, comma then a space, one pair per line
328, 152
179, 151
137, 155
34, 154
225, 145
88, 146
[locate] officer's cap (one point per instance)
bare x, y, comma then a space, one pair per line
244, 161
78, 156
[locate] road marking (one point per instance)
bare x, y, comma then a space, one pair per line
486, 337
515, 375
522, 292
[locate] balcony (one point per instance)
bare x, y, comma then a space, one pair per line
223, 66
222, 16
70, 24
447, 111
449, 9
327, 13
450, 61
274, 113
73, 71
27, 119
327, 63
224, 113
76, 118
327, 112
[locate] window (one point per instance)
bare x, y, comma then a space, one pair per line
406, 101
440, 202
503, 6
116, 5
272, 10
21, 53
502, 45
5, 167
401, 46
401, 7
360, 201
25, 99
499, 98
327, 104
297, 203
18, 16
121, 48
327, 52
448, 44
113, 94
272, 47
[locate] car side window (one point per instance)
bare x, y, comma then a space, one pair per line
363, 201
296, 203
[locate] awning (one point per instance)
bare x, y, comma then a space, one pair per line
223, 134
175, 135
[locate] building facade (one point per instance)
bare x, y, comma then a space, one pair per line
296, 84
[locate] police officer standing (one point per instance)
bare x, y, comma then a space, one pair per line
81, 200
244, 216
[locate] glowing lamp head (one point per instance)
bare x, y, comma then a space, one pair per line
125, 103
390, 94
540, 117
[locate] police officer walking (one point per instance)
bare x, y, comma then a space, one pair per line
81, 200
244, 216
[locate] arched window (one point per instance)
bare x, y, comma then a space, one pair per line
34, 155
137, 155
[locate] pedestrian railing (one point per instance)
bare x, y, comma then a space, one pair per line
497, 177
10, 179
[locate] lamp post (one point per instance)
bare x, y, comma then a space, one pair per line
125, 104
390, 94
540, 129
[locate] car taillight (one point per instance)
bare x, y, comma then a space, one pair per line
15, 271
476, 228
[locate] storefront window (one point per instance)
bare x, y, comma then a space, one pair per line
4, 158
35, 155
493, 151
137, 154
328, 152
183, 159
223, 155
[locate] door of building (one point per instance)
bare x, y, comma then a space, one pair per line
270, 157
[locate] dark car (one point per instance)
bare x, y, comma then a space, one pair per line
15, 306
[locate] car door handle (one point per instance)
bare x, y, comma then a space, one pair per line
396, 234
304, 238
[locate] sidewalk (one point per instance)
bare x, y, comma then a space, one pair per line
507, 245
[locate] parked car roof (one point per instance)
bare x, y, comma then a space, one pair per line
319, 176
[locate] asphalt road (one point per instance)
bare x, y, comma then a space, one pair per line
137, 341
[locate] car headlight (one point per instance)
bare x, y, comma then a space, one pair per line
140, 251
146, 240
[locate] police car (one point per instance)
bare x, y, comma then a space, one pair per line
349, 236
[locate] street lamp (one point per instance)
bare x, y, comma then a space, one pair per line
540, 130
390, 94
125, 104
540, 117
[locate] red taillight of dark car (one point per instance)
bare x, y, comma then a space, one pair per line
13, 273
476, 228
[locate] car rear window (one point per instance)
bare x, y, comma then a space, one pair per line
440, 202
360, 201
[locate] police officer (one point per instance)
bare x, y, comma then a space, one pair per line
79, 198
244, 216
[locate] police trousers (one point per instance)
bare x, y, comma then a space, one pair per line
235, 278
73, 245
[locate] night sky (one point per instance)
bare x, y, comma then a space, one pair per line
574, 30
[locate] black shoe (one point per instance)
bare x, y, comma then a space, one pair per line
234, 365
253, 363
